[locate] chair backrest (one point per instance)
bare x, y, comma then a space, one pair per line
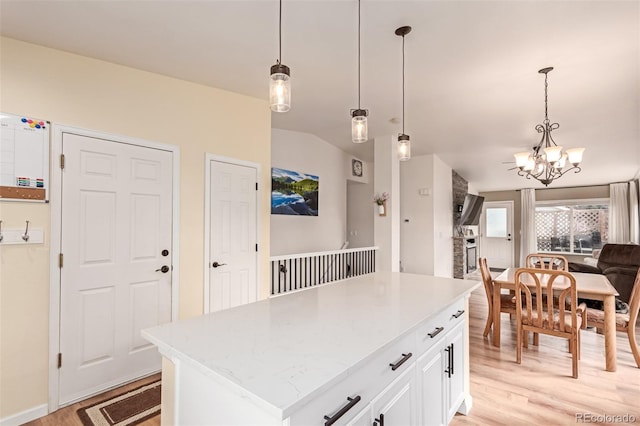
547, 261
487, 280
619, 255
542, 311
634, 301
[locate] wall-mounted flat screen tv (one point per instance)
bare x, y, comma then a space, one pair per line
471, 210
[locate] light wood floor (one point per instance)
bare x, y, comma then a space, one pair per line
540, 391
67, 416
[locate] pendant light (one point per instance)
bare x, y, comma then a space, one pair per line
404, 143
280, 81
359, 131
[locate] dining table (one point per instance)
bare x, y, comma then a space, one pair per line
588, 286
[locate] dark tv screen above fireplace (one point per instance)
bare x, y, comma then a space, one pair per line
471, 210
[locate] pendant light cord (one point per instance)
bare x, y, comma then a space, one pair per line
403, 84
280, 35
358, 54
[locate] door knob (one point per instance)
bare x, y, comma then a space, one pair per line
216, 264
164, 269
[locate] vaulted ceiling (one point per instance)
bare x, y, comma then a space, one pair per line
473, 92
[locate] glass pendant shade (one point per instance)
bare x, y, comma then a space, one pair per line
404, 147
553, 153
521, 159
531, 163
280, 88
575, 155
560, 163
359, 131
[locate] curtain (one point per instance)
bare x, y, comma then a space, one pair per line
528, 240
619, 213
634, 213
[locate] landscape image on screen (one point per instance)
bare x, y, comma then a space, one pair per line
293, 193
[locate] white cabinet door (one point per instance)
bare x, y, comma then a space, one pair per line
432, 387
363, 418
396, 405
456, 381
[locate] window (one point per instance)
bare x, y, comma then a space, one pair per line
577, 226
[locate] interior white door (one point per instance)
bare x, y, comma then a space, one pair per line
496, 230
116, 222
233, 246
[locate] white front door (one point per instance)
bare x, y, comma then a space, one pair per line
233, 249
496, 231
116, 223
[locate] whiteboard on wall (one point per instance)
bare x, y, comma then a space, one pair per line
24, 158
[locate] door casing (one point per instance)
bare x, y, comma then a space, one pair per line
56, 238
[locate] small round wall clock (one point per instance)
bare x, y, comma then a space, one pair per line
356, 167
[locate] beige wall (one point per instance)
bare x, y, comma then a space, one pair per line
549, 194
86, 93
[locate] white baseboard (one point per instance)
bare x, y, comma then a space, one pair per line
25, 416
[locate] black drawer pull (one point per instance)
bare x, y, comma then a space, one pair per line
379, 421
457, 314
453, 361
449, 369
397, 365
343, 410
435, 332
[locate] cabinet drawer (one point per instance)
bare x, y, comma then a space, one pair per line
365, 381
434, 329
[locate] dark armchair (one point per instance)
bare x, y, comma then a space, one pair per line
619, 262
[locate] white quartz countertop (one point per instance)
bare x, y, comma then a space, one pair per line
283, 351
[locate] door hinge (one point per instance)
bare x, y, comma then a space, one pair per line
60, 260
62, 161
59, 360
256, 186
256, 247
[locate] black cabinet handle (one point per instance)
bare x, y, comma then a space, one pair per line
448, 369
397, 365
331, 420
457, 314
380, 421
435, 332
452, 362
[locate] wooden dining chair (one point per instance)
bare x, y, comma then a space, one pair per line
547, 261
507, 302
624, 322
555, 316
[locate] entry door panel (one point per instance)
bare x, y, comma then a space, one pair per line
233, 215
497, 234
116, 220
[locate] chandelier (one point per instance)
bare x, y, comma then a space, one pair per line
547, 162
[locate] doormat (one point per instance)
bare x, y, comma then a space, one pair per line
126, 409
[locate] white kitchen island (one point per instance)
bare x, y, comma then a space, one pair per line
383, 349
